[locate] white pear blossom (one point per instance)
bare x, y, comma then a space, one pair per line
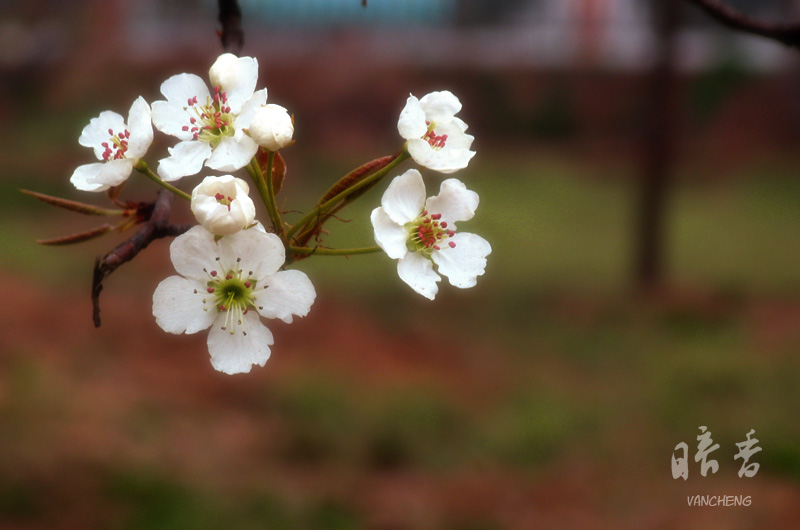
210, 124
436, 139
422, 235
118, 144
271, 127
227, 285
222, 205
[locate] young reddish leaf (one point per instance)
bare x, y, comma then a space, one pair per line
356, 176
278, 168
86, 209
77, 238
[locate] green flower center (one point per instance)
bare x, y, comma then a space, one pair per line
232, 293
213, 121
427, 233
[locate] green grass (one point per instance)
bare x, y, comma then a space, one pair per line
577, 366
557, 225
553, 225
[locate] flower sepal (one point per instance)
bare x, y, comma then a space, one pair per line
278, 168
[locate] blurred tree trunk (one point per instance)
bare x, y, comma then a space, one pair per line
658, 148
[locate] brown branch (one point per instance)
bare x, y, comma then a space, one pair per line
232, 34
787, 33
157, 222
156, 227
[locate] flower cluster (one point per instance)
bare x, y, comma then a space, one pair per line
231, 268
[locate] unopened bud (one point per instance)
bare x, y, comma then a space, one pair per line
225, 71
272, 127
233, 212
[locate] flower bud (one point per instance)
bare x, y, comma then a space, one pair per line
222, 205
271, 127
225, 70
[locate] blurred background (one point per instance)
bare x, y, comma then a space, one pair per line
638, 170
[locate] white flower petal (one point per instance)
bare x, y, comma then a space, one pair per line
245, 117
170, 119
390, 236
178, 306
455, 202
236, 353
456, 137
96, 132
85, 177
232, 153
411, 123
287, 293
194, 253
114, 172
443, 161
440, 107
417, 271
186, 158
459, 124
261, 253
405, 197
466, 261
180, 88
236, 76
140, 126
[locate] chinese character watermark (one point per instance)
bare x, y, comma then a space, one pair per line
705, 446
746, 450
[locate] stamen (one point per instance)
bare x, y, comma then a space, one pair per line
437, 142
211, 121
427, 233
117, 145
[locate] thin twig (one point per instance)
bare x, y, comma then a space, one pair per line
787, 33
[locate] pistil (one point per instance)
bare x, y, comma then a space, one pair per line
231, 293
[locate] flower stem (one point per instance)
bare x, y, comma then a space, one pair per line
322, 208
334, 251
266, 190
142, 167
